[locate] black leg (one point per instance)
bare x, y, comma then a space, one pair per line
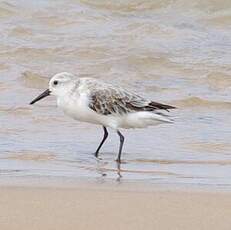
121, 146
104, 139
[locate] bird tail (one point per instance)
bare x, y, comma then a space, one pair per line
161, 117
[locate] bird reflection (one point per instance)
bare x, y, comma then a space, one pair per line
118, 172
104, 170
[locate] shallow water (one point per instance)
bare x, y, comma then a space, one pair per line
174, 52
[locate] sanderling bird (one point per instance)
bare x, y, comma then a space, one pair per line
91, 100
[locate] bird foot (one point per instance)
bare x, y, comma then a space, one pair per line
118, 161
96, 156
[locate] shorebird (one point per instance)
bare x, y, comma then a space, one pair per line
91, 100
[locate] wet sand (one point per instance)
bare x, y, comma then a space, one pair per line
173, 52
112, 207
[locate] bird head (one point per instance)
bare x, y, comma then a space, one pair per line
58, 85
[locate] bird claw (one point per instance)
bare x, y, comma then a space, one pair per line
97, 157
118, 161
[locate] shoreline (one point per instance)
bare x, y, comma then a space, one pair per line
106, 184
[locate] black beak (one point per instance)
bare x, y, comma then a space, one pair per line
41, 96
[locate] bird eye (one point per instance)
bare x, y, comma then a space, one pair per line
55, 83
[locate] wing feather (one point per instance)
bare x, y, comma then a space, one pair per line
107, 99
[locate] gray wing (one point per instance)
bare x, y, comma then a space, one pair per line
111, 100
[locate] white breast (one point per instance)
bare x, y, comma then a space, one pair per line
77, 108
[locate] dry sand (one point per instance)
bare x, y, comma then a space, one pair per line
112, 207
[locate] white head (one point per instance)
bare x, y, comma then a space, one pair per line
58, 85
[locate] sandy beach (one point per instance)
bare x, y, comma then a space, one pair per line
112, 207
